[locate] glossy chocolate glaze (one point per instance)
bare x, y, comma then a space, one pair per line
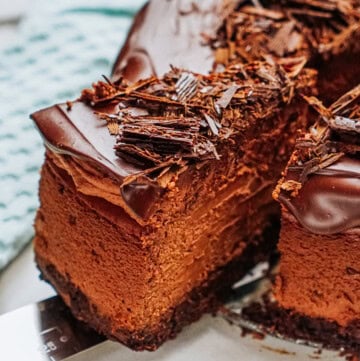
329, 201
164, 33
141, 197
168, 33
64, 131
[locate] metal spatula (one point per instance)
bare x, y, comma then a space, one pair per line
43, 331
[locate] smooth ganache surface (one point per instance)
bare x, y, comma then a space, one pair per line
173, 33
322, 185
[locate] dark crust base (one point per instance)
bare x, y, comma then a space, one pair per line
203, 299
297, 326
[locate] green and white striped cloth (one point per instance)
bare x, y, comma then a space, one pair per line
62, 47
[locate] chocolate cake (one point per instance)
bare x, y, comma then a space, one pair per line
319, 278
156, 188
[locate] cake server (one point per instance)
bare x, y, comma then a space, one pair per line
43, 331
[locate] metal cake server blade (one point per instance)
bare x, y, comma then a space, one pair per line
43, 331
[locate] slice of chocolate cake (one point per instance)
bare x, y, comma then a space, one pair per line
319, 278
142, 239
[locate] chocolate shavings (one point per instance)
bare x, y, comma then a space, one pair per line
335, 134
186, 116
280, 29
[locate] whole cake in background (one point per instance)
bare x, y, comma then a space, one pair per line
319, 278
156, 188
316, 293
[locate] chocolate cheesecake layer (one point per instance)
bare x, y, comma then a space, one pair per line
203, 299
133, 284
307, 284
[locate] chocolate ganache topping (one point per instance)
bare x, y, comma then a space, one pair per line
139, 132
204, 35
321, 187
163, 33
173, 33
161, 124
183, 33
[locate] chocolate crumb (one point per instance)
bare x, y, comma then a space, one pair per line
69, 105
